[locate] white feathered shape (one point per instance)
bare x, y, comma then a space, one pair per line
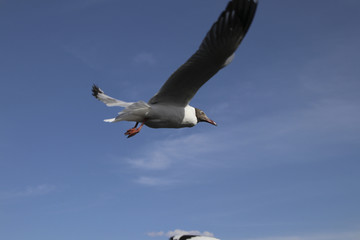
134, 111
109, 101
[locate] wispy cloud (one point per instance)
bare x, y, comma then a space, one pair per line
179, 232
30, 191
169, 157
272, 139
145, 58
172, 158
327, 236
328, 74
162, 155
316, 128
156, 160
88, 56
155, 181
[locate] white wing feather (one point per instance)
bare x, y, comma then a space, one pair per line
109, 101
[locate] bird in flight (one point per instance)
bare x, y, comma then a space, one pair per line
169, 107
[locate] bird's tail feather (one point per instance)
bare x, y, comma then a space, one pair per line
135, 112
109, 120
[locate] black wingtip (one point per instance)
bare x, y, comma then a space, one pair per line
96, 90
188, 237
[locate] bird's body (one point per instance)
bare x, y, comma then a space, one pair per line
169, 108
152, 115
164, 116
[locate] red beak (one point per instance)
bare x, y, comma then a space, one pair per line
211, 122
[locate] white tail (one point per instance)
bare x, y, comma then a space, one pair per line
134, 111
109, 120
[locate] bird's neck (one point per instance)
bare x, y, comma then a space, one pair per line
189, 116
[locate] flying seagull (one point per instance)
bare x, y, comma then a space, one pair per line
192, 237
169, 108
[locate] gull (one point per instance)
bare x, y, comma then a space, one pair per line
192, 237
169, 107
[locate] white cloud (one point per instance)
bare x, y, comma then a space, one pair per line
179, 232
162, 155
156, 160
30, 191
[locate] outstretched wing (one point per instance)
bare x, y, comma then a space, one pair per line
215, 52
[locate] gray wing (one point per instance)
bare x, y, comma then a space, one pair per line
215, 52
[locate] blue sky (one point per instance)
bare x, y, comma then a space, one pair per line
282, 164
